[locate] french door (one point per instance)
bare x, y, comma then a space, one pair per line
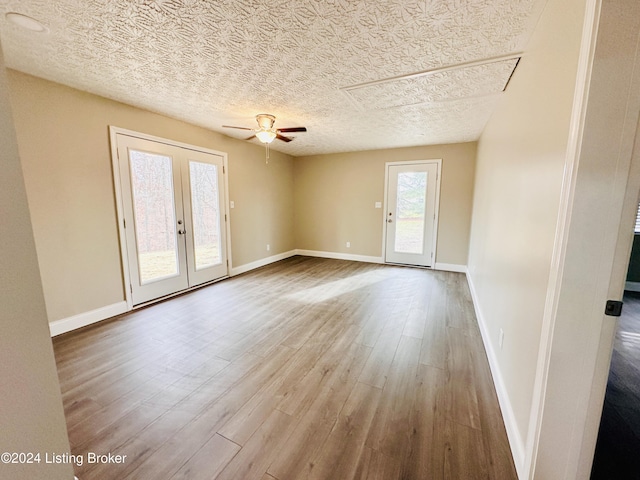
411, 213
173, 207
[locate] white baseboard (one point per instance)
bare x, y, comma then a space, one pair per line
513, 432
261, 263
64, 325
450, 267
340, 256
632, 286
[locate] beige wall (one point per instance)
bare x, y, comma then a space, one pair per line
31, 414
335, 199
520, 166
64, 145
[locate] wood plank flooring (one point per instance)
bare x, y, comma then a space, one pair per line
305, 369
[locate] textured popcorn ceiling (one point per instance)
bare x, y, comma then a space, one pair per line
359, 75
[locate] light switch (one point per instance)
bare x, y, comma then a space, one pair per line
378, 204
231, 204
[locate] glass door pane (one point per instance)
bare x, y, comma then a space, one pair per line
205, 214
410, 208
154, 215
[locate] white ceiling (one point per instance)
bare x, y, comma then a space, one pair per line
359, 75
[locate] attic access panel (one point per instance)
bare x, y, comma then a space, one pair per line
440, 85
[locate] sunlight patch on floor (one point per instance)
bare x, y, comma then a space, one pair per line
330, 290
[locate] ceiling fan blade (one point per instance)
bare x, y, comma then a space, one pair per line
239, 128
293, 129
251, 137
283, 138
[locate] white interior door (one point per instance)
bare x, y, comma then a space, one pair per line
173, 206
411, 213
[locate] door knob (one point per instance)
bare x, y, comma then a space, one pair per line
389, 221
181, 232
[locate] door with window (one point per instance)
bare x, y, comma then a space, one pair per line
411, 216
173, 207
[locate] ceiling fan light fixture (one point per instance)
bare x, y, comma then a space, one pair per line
265, 132
266, 136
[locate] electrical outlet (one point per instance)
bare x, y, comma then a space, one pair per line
348, 244
501, 340
378, 204
268, 247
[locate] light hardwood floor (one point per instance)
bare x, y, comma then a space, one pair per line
308, 368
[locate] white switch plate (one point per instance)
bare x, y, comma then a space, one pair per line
231, 204
268, 247
348, 244
501, 340
378, 204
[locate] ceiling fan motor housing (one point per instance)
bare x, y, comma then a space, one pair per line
265, 121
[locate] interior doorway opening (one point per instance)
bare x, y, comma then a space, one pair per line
619, 433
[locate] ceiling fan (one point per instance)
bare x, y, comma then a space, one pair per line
266, 133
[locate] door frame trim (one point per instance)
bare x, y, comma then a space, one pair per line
436, 221
115, 165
